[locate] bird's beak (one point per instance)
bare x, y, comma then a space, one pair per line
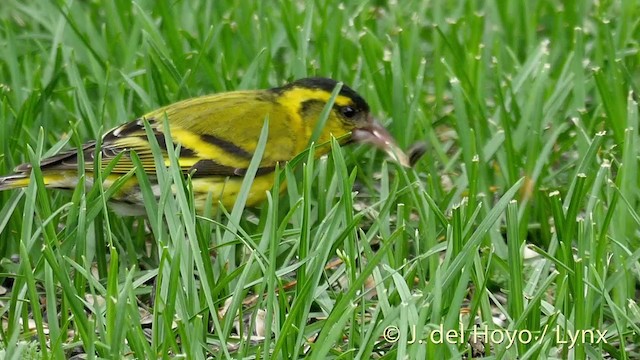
375, 134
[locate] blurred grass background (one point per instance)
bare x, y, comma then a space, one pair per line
522, 216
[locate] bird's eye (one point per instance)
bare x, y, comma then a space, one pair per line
348, 111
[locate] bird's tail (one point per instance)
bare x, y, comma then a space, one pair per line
14, 181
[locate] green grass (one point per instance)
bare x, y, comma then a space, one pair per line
530, 113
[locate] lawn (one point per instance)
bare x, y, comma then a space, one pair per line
515, 236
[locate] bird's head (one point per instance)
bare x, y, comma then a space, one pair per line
349, 120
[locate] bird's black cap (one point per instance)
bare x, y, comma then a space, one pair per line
328, 85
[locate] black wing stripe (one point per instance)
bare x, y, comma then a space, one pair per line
136, 129
204, 168
162, 143
227, 146
133, 128
261, 171
122, 131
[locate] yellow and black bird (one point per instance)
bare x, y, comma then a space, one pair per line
218, 135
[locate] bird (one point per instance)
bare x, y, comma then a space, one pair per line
217, 136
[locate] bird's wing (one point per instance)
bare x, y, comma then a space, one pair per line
217, 135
